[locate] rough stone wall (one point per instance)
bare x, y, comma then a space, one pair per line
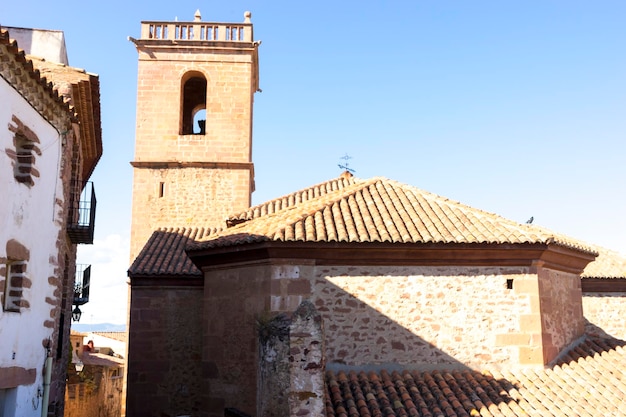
306, 357
64, 274
604, 314
418, 315
236, 300
292, 365
561, 310
426, 316
105, 401
164, 352
274, 367
219, 192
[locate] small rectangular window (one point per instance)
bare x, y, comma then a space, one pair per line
509, 284
161, 189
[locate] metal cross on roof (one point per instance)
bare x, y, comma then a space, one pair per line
346, 166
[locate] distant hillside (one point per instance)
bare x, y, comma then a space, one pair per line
98, 327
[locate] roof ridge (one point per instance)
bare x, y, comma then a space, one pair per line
305, 209
292, 198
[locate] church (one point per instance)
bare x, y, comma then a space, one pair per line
352, 297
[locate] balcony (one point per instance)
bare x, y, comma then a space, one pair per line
82, 212
81, 284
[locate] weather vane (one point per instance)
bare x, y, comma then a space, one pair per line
346, 166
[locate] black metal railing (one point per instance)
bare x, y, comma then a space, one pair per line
82, 212
81, 284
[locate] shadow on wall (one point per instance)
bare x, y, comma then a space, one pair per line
360, 336
594, 330
410, 317
372, 320
604, 312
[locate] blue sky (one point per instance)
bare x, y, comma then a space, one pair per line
517, 108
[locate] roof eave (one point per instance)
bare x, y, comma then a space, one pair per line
410, 254
165, 280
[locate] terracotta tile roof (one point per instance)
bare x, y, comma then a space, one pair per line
381, 210
19, 71
345, 209
82, 89
587, 381
100, 359
608, 264
295, 198
164, 253
119, 336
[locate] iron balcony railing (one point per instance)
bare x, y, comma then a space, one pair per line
82, 212
81, 284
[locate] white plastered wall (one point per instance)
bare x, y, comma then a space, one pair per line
31, 216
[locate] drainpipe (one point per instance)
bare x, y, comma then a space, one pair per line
46, 386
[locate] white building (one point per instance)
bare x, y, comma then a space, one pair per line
49, 145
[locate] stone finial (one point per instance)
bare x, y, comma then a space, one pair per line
246, 17
197, 17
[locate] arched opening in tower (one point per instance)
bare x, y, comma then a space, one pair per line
193, 120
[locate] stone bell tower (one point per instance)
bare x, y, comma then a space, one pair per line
193, 145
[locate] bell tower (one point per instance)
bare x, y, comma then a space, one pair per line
193, 144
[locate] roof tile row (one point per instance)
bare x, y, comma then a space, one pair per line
587, 381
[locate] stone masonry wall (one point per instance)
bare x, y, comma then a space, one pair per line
426, 316
217, 190
418, 315
229, 107
561, 310
191, 198
604, 314
307, 360
236, 303
274, 367
291, 364
164, 352
82, 401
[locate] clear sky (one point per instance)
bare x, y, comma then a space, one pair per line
517, 108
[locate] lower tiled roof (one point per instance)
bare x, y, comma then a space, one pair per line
589, 380
164, 253
100, 359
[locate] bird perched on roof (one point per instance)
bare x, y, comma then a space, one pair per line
529, 221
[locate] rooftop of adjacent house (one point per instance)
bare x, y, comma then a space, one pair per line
62, 82
23, 72
348, 209
119, 336
82, 91
101, 359
44, 43
586, 381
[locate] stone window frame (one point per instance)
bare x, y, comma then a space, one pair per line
25, 152
16, 277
